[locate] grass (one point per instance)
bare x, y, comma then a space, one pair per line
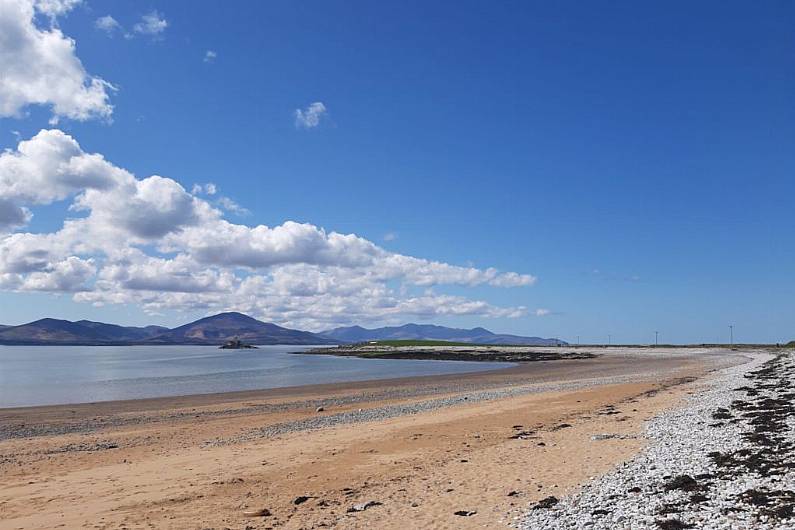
417, 343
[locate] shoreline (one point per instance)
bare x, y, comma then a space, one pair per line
511, 373
723, 459
210, 398
514, 371
200, 462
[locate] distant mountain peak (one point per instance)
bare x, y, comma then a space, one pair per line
214, 329
413, 331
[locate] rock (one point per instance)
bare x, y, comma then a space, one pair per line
236, 344
465, 513
547, 502
263, 512
684, 483
598, 437
362, 506
300, 499
319, 409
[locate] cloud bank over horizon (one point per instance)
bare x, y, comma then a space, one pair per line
152, 243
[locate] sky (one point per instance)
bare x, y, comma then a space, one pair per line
561, 169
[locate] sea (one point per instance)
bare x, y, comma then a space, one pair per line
52, 375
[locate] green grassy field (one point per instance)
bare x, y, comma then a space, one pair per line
417, 343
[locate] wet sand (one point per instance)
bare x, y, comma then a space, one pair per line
201, 461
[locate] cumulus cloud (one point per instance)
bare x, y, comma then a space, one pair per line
310, 117
210, 56
147, 209
149, 241
108, 24
69, 275
55, 8
51, 166
40, 66
152, 24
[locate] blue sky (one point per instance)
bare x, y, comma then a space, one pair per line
636, 159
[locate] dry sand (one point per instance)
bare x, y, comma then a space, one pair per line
148, 464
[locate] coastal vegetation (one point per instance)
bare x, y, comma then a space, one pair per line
412, 342
446, 351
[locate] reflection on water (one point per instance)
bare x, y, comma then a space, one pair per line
43, 375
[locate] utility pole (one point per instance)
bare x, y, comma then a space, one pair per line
731, 334
578, 340
609, 339
656, 333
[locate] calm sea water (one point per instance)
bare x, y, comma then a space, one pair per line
47, 375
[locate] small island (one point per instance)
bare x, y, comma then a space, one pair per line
450, 351
236, 344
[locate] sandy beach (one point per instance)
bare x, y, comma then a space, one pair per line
463, 451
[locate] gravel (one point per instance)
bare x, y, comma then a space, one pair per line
99, 423
725, 460
322, 421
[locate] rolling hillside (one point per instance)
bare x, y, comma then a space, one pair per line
430, 332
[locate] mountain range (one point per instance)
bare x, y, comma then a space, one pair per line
218, 329
431, 332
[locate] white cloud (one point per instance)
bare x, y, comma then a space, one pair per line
150, 242
209, 189
152, 24
40, 67
310, 117
146, 209
51, 166
70, 275
108, 24
210, 56
231, 206
390, 236
512, 279
55, 8
542, 312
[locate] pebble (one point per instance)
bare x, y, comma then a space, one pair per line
679, 443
